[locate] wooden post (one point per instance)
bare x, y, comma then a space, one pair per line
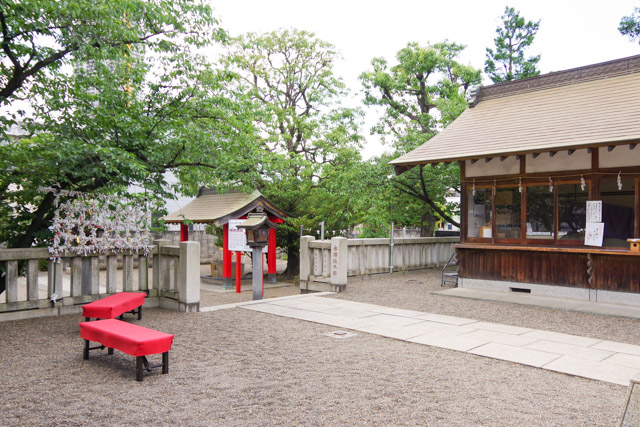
238, 272
184, 233
271, 257
226, 257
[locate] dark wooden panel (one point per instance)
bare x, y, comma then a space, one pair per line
610, 272
563, 269
617, 273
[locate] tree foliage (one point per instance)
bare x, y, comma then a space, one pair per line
121, 116
630, 25
39, 35
311, 139
420, 95
507, 62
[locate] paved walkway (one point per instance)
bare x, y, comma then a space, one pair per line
585, 357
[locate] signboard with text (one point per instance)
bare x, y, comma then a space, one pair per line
238, 238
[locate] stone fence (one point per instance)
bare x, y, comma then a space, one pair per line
326, 265
209, 252
174, 281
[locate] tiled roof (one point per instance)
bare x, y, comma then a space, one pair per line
587, 106
210, 207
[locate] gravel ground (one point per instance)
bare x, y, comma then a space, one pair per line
238, 367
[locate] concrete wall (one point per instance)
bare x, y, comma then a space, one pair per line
323, 263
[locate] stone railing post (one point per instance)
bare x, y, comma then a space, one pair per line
339, 262
305, 258
188, 280
159, 273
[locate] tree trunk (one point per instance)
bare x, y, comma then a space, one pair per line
427, 224
293, 262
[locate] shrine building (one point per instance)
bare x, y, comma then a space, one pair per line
209, 207
550, 167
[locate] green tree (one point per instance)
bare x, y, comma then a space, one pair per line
122, 117
630, 25
420, 95
39, 35
289, 75
507, 61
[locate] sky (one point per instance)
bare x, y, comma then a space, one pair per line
572, 33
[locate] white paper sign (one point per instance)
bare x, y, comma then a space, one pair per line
238, 238
594, 211
594, 233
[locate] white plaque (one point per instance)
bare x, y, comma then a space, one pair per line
594, 211
594, 234
238, 238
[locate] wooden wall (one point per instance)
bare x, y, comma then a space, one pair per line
583, 270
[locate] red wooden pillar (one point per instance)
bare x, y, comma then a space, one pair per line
271, 256
238, 272
226, 257
184, 233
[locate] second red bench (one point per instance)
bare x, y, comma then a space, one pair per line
114, 305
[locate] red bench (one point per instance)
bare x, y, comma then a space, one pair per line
114, 305
128, 338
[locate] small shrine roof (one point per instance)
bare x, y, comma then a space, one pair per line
211, 207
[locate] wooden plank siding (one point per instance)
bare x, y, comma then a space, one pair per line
609, 272
549, 268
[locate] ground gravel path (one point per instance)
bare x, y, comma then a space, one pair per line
239, 367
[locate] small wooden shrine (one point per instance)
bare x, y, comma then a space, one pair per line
210, 207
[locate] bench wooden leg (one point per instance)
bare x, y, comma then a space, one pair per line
140, 313
85, 353
165, 362
110, 350
139, 363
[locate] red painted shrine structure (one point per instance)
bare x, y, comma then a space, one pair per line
209, 207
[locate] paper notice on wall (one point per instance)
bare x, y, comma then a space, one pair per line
594, 234
594, 211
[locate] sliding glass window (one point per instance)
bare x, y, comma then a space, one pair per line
508, 221
479, 210
540, 212
572, 212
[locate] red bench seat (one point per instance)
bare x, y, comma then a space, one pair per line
114, 305
128, 338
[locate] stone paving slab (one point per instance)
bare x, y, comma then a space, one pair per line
586, 357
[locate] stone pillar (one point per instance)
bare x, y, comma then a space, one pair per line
188, 280
257, 273
339, 262
159, 273
305, 258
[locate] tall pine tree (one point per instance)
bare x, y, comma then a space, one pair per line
507, 62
